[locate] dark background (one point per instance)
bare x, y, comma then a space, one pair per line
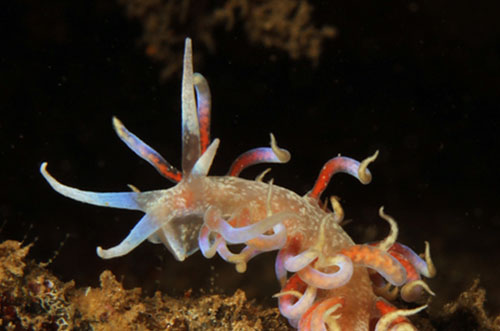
417, 80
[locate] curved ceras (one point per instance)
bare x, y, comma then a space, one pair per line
330, 287
415, 267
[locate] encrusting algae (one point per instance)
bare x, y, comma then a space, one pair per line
33, 299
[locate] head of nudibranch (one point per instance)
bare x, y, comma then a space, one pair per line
169, 218
174, 216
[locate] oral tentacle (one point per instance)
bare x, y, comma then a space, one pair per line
123, 200
141, 231
146, 152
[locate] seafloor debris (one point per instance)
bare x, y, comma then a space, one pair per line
282, 24
31, 298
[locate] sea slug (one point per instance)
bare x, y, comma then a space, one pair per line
328, 281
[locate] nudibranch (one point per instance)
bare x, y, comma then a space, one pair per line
328, 282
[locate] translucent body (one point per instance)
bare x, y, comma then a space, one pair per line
331, 287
